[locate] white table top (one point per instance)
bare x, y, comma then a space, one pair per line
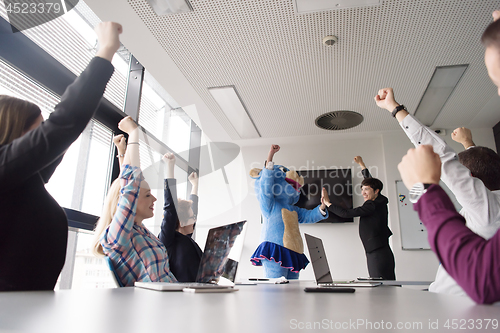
257, 308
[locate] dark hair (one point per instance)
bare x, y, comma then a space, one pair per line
16, 117
491, 36
484, 164
374, 183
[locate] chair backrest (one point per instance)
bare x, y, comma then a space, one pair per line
114, 275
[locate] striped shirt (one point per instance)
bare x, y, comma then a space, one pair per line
136, 253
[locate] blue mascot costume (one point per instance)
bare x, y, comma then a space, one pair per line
281, 251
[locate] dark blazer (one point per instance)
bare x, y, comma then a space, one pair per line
184, 254
373, 224
34, 228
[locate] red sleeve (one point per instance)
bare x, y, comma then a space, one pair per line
472, 261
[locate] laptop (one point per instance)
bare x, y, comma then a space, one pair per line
322, 270
219, 260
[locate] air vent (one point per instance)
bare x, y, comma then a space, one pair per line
339, 120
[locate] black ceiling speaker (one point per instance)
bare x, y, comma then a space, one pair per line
339, 120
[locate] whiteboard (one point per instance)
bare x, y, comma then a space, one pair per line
413, 232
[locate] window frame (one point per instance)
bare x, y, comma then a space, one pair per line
28, 58
21, 53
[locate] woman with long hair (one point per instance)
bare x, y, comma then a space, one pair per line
136, 254
34, 227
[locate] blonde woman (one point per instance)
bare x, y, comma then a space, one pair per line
136, 254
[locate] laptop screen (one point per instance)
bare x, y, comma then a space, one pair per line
222, 253
318, 259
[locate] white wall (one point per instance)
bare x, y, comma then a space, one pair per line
381, 152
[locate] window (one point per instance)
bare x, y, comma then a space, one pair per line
71, 41
89, 271
16, 84
170, 126
178, 131
161, 116
81, 180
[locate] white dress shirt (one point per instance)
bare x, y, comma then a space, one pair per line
480, 206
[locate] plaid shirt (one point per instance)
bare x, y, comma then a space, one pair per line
136, 253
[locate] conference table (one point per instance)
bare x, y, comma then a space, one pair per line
253, 308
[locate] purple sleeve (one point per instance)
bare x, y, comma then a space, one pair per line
472, 261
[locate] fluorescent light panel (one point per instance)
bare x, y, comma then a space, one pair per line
308, 6
168, 7
441, 86
235, 111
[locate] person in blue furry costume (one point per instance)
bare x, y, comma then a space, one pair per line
278, 190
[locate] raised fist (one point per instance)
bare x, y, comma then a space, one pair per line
385, 99
120, 143
127, 125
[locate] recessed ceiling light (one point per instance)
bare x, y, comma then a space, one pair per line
231, 104
168, 7
309, 6
441, 86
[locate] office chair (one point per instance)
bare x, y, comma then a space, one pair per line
116, 279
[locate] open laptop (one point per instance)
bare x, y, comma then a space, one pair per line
322, 270
220, 259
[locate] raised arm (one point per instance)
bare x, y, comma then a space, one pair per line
311, 215
107, 36
473, 262
266, 196
364, 170
385, 100
463, 136
274, 149
169, 160
119, 231
469, 191
418, 133
170, 218
193, 179
367, 209
121, 146
42, 146
49, 170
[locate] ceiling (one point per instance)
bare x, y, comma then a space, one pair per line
286, 77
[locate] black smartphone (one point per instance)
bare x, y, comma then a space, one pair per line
329, 290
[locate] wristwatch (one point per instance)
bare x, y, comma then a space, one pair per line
417, 191
397, 109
